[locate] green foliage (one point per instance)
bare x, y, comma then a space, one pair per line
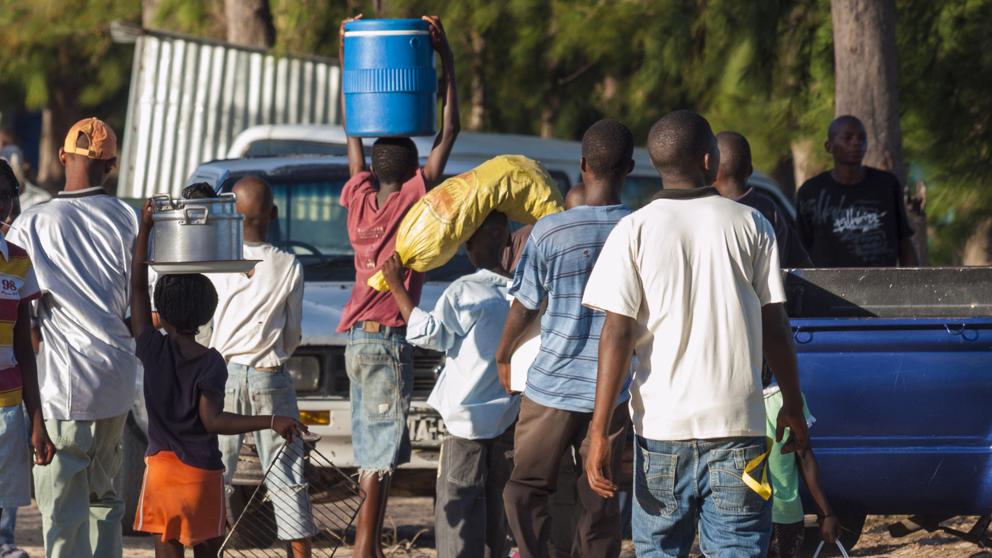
202, 18
307, 26
60, 51
778, 84
555, 66
946, 69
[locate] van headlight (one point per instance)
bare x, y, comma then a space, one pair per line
305, 372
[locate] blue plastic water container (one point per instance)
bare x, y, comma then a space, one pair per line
389, 82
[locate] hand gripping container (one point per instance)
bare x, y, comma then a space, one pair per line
389, 83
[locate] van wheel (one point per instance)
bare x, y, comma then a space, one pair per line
851, 526
128, 481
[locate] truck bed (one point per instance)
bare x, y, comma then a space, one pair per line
896, 366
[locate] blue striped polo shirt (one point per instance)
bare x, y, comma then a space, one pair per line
555, 265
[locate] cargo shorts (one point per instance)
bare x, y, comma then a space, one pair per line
380, 369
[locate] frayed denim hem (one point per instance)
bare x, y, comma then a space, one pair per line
382, 472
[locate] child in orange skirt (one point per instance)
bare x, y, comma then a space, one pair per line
182, 497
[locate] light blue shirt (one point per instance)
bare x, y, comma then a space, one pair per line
556, 264
466, 324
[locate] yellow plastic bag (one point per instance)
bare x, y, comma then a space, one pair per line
434, 228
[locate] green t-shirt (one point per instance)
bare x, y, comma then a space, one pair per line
783, 473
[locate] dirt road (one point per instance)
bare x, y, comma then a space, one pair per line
409, 534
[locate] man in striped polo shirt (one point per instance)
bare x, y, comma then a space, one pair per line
18, 375
561, 383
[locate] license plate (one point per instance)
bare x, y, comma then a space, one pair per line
426, 429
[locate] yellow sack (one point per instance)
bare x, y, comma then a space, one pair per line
434, 228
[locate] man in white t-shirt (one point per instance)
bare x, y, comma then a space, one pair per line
257, 326
692, 283
80, 243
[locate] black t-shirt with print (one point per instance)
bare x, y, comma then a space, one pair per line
791, 253
853, 225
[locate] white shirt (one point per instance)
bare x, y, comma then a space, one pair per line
258, 317
694, 270
81, 244
466, 323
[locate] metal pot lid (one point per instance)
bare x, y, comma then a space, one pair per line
222, 204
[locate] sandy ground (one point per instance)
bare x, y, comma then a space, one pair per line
409, 535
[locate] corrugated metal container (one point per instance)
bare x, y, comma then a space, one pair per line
189, 98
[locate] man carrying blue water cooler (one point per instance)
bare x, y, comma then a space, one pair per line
378, 359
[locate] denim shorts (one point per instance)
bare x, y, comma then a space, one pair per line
380, 368
264, 392
15, 459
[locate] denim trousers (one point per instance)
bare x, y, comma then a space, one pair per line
380, 369
469, 521
15, 462
8, 524
270, 392
80, 510
677, 483
15, 459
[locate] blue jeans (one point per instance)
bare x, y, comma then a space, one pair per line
270, 392
380, 368
677, 483
8, 523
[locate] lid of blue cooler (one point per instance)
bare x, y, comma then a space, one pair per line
379, 25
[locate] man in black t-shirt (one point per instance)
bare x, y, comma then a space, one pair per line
853, 215
731, 181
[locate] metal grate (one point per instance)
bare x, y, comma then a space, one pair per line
327, 503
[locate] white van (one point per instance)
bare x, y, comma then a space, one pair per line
560, 157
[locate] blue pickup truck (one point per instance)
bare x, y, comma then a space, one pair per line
895, 365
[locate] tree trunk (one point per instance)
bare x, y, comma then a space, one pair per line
978, 248
867, 86
783, 173
549, 112
149, 13
866, 82
804, 164
477, 107
249, 23
551, 105
59, 114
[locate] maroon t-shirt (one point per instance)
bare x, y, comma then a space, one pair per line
372, 232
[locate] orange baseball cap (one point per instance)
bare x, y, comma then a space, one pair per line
102, 140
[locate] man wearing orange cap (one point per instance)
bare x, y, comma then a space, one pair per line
80, 243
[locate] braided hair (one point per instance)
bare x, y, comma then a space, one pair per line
185, 301
7, 175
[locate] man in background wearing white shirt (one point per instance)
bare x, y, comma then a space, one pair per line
257, 326
80, 243
687, 281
